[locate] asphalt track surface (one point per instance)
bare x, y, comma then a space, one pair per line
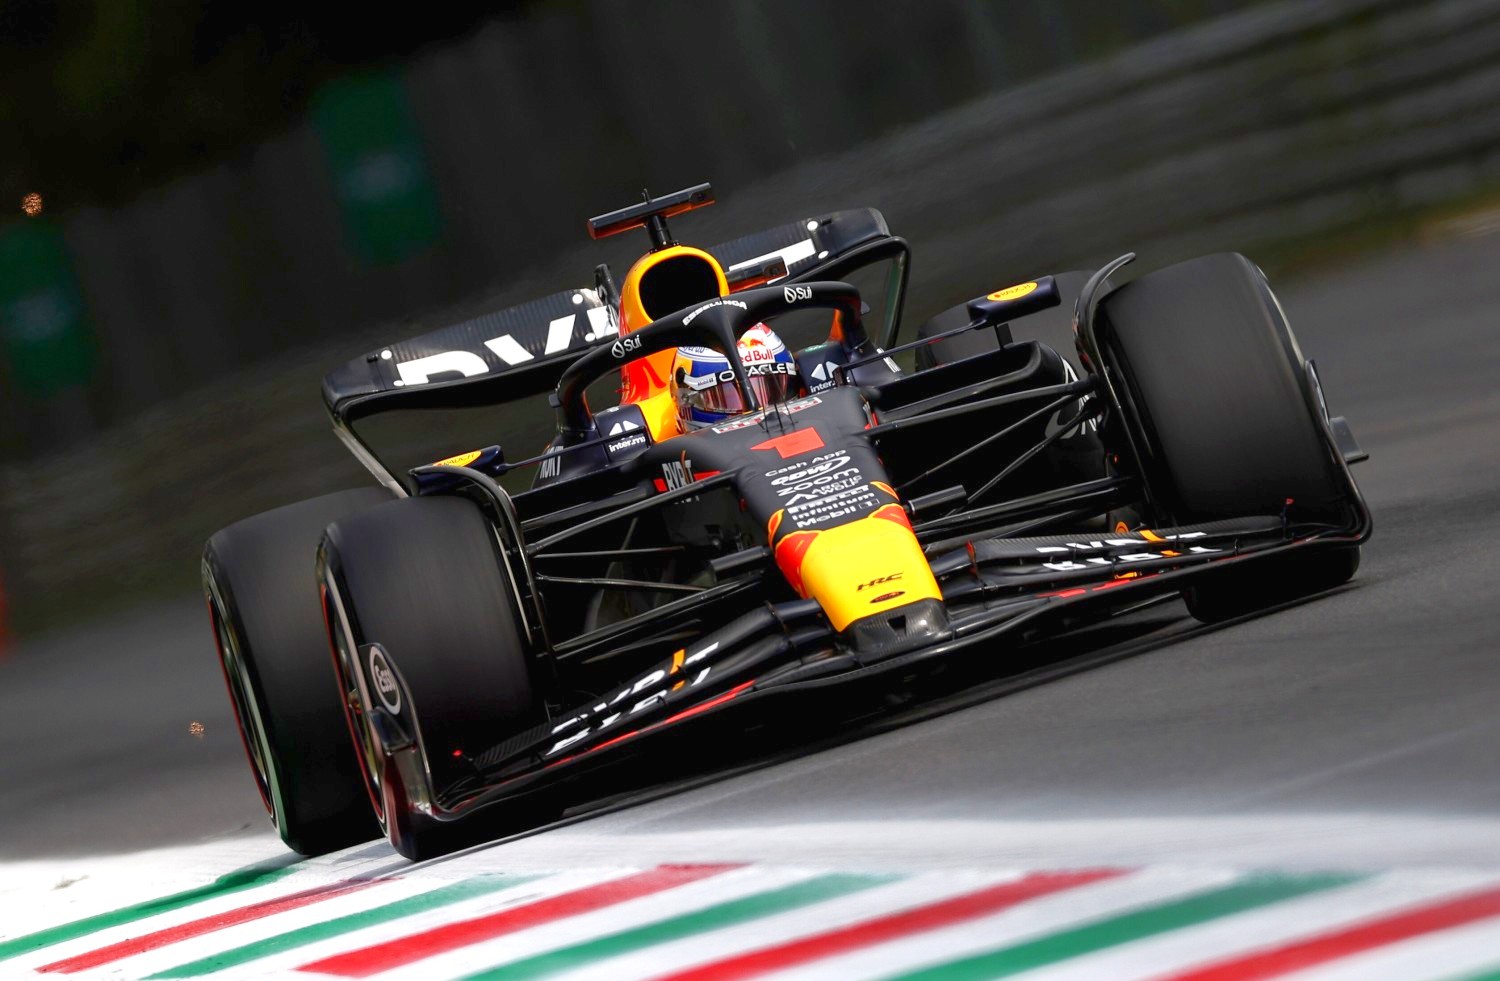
1359, 729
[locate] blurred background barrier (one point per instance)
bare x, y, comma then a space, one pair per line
162, 357
4, 619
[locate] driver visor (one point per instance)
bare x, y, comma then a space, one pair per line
725, 397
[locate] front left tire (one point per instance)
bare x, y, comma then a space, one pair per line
424, 579
259, 577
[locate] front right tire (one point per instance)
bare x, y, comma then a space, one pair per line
1215, 385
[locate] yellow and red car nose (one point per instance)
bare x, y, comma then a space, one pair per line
855, 570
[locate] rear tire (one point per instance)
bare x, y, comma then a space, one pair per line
424, 578
1216, 389
259, 576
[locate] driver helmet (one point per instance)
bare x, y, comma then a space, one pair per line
706, 393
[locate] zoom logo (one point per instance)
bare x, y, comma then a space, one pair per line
817, 468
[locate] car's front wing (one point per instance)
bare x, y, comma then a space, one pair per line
991, 589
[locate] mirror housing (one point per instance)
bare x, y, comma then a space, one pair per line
1015, 301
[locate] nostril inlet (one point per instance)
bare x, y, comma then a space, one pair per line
897, 631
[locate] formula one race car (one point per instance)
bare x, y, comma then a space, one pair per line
786, 497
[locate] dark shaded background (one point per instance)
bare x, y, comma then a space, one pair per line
236, 197
155, 116
105, 100
109, 99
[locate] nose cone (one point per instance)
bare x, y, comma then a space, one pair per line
898, 630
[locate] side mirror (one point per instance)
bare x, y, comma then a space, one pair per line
757, 273
1015, 301
490, 460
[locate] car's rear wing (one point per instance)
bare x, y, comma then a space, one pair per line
522, 351
805, 245
827, 247
498, 357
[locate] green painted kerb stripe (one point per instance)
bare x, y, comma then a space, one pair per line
1246, 894
713, 918
466, 889
239, 879
1488, 974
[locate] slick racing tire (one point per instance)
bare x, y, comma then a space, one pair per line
423, 578
260, 579
1215, 386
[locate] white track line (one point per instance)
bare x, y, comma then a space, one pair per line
1036, 918
569, 930
36, 895
1439, 956
1259, 929
781, 927
282, 964
1289, 842
310, 877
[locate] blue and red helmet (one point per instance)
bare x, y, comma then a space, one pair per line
706, 394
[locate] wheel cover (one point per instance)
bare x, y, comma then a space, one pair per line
352, 694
